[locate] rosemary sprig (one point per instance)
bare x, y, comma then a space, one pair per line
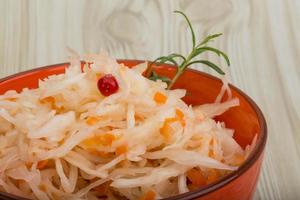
189, 60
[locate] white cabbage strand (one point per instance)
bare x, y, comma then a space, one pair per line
188, 158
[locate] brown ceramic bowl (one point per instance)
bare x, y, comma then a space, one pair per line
246, 119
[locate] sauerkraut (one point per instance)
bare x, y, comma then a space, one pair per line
64, 140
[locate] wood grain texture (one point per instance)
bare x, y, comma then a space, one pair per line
261, 37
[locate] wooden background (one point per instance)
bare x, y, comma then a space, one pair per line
261, 37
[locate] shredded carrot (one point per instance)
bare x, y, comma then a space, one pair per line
212, 176
139, 117
121, 149
92, 120
99, 75
159, 98
103, 188
56, 196
192, 187
238, 159
20, 182
211, 153
95, 152
43, 187
196, 177
170, 120
28, 164
11, 99
60, 109
42, 164
211, 144
108, 139
166, 130
180, 116
50, 100
124, 163
103, 139
89, 142
150, 195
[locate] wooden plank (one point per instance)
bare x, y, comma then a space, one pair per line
261, 37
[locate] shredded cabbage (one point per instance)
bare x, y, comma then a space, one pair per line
65, 140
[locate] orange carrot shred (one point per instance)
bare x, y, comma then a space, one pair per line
11, 99
238, 159
103, 188
108, 139
150, 195
99, 75
159, 98
43, 187
28, 164
103, 139
170, 120
42, 164
121, 149
213, 176
50, 100
180, 116
89, 142
95, 152
192, 187
196, 177
211, 153
124, 163
92, 120
139, 117
165, 130
60, 109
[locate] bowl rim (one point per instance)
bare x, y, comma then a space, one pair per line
253, 157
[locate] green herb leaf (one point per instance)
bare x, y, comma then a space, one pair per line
209, 64
218, 52
154, 77
190, 25
208, 39
176, 55
164, 59
186, 61
160, 60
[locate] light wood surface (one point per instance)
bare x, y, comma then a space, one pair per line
261, 37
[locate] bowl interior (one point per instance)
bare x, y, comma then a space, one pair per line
246, 119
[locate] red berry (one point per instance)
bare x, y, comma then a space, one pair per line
108, 85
